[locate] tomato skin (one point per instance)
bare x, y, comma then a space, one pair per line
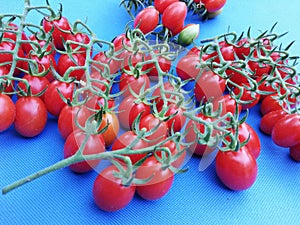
213, 5
94, 145
52, 99
126, 139
173, 17
237, 170
108, 192
65, 62
7, 112
34, 108
161, 5
295, 152
60, 31
147, 19
286, 131
68, 116
269, 104
130, 83
160, 183
111, 120
269, 120
186, 67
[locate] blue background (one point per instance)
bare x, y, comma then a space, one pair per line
196, 197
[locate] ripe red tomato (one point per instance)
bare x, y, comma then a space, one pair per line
173, 17
13, 36
236, 169
187, 67
66, 62
110, 120
68, 117
268, 104
295, 152
53, 101
109, 193
248, 98
269, 120
129, 83
7, 112
8, 85
286, 131
242, 48
161, 5
31, 116
42, 43
37, 85
227, 104
160, 183
125, 140
213, 5
164, 66
100, 59
80, 38
146, 20
61, 29
94, 145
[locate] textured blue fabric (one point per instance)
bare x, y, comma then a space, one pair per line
196, 197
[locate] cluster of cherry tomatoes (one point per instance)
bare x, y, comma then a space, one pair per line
133, 85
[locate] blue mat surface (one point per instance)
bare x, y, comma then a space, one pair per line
197, 197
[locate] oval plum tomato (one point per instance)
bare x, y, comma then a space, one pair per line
248, 98
286, 131
192, 138
31, 116
269, 104
41, 64
129, 109
236, 169
209, 85
269, 120
110, 120
295, 152
126, 139
109, 193
146, 20
158, 128
131, 83
94, 145
160, 183
161, 5
37, 85
7, 85
81, 39
7, 112
61, 29
66, 62
53, 100
187, 67
213, 5
173, 17
100, 59
69, 117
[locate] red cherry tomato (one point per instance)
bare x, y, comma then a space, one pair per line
286, 131
7, 112
161, 5
249, 98
94, 145
31, 116
187, 67
42, 44
147, 19
110, 120
164, 65
226, 103
8, 85
295, 152
236, 169
100, 59
125, 140
269, 120
173, 17
65, 62
129, 83
80, 38
213, 5
269, 104
61, 29
109, 193
159, 185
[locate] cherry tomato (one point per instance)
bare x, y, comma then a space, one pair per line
68, 117
236, 169
242, 48
53, 100
295, 152
125, 140
7, 112
187, 67
109, 193
130, 83
94, 145
110, 120
146, 20
66, 62
161, 5
268, 104
13, 36
286, 131
213, 5
249, 98
269, 120
227, 104
61, 29
164, 66
31, 116
160, 183
8, 85
80, 38
42, 44
37, 85
173, 17
100, 59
